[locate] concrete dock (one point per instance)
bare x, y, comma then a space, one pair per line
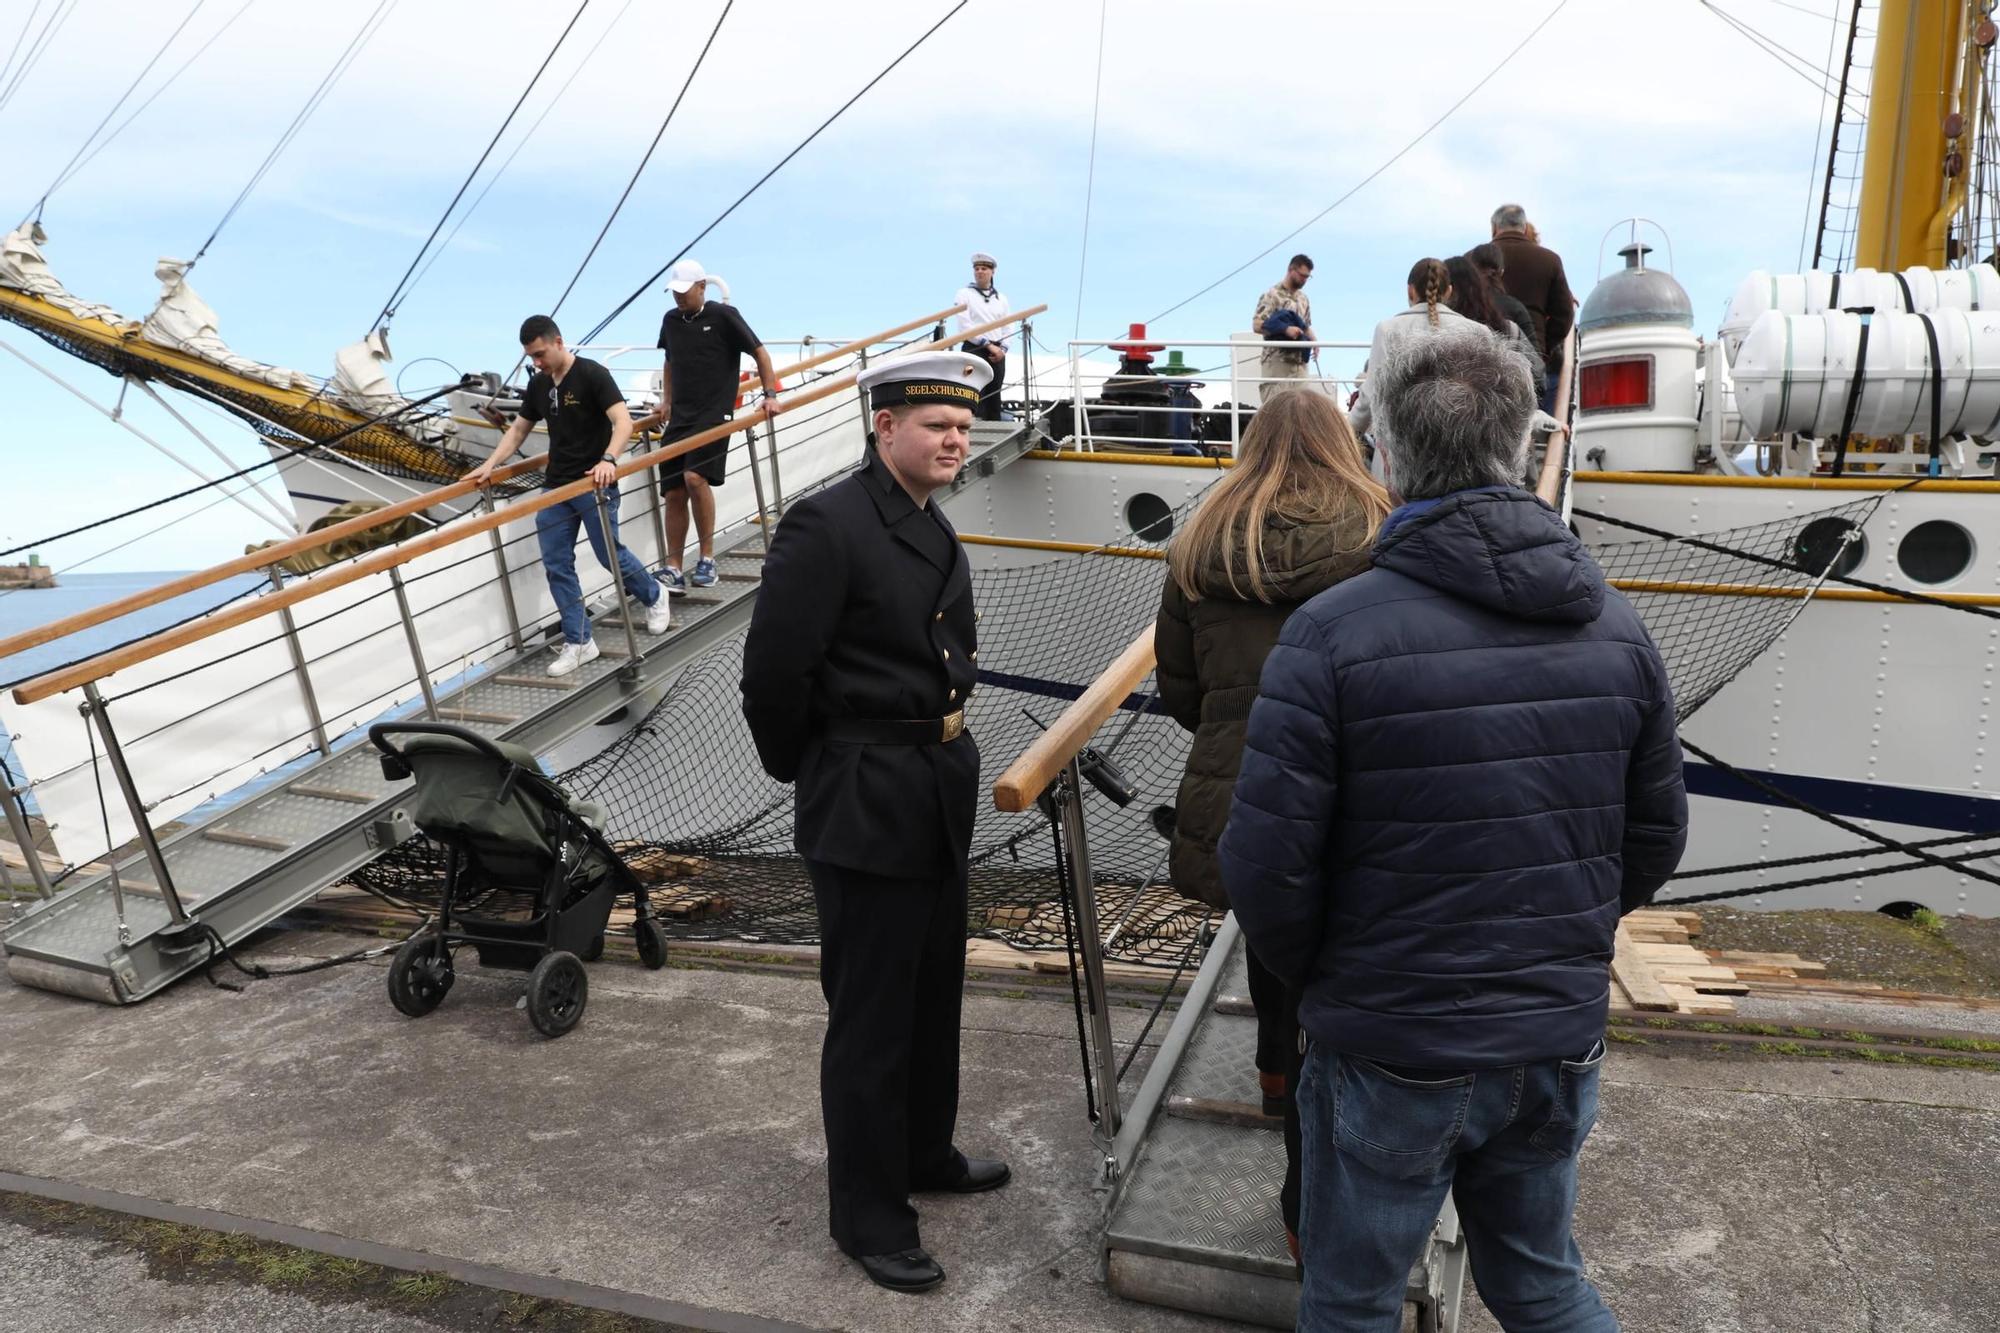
665, 1158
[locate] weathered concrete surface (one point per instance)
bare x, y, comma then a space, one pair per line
671, 1146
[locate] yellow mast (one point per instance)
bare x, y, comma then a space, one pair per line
1922, 106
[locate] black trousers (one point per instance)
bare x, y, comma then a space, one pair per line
989, 397
892, 966
1278, 1053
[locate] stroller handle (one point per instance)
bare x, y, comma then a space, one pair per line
379, 734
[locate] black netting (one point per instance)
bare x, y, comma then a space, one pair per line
1714, 601
685, 780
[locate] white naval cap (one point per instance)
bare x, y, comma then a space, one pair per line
926, 377
981, 257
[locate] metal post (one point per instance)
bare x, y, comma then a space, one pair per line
659, 509
757, 482
95, 708
1091, 943
507, 591
1235, 401
867, 417
631, 667
416, 649
17, 824
777, 488
299, 668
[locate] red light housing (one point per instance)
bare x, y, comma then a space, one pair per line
1611, 385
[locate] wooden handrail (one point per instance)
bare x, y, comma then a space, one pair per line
104, 664
1030, 775
1555, 458
258, 561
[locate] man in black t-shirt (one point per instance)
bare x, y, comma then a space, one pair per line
704, 343
588, 427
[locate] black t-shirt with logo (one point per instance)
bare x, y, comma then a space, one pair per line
579, 430
705, 351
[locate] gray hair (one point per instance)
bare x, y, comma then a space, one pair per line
1510, 217
1453, 409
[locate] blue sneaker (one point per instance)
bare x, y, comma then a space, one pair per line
704, 573
673, 580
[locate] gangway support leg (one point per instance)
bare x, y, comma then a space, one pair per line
777, 487
17, 825
764, 515
291, 628
630, 671
1090, 943
507, 591
95, 710
416, 648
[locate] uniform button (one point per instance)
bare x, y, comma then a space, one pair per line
952, 697
974, 654
938, 616
947, 654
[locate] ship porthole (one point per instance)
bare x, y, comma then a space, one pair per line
1149, 516
1824, 542
1935, 552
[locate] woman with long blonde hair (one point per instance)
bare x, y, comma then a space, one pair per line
1296, 515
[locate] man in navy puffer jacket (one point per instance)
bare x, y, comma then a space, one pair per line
1461, 771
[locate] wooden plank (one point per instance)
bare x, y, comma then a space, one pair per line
1689, 1001
544, 682
257, 840
331, 794
1239, 1005
1631, 973
1213, 1111
654, 866
475, 715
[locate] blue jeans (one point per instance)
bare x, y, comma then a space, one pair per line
1383, 1145
556, 528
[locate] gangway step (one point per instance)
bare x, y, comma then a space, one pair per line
334, 794
1218, 1111
475, 715
259, 840
538, 682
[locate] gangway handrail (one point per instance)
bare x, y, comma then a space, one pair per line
91, 669
1555, 458
256, 562
1030, 775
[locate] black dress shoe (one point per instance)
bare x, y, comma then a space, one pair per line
908, 1270
980, 1175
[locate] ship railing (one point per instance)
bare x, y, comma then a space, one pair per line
1053, 770
286, 674
1243, 365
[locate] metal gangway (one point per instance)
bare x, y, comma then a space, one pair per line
210, 777
1191, 1167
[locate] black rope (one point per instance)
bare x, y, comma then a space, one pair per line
1921, 598
658, 134
1937, 390
1817, 858
1065, 883
1139, 1042
1842, 877
647, 285
219, 952
1807, 807
213, 482
1853, 390
399, 291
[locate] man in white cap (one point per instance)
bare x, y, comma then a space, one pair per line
704, 343
861, 654
983, 304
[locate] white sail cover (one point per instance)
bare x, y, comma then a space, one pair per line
186, 323
361, 376
23, 269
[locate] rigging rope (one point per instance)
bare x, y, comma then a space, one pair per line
1819, 132
638, 171
151, 98
35, 212
369, 27
403, 283
1790, 59
19, 38
38, 47
1396, 157
647, 285
1090, 176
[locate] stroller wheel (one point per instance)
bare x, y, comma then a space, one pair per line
420, 975
652, 942
557, 991
593, 950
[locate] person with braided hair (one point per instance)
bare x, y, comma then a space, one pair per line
1429, 311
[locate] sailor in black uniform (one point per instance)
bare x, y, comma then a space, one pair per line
861, 653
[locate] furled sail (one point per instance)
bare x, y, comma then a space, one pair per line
186, 323
23, 269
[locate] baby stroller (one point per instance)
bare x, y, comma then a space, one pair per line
529, 880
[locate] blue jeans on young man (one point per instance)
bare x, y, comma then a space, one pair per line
556, 527
1382, 1145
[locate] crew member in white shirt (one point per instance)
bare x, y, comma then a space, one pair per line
983, 303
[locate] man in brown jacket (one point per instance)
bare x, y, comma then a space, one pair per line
1534, 277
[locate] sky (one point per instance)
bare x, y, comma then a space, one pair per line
1219, 129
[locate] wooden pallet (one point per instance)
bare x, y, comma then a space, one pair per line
1656, 970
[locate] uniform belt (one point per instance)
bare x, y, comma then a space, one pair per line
896, 731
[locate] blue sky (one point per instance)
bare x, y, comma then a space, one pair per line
1220, 129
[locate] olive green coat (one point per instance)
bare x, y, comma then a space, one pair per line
1211, 653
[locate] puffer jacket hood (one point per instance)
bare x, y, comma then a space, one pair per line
1501, 549
1301, 560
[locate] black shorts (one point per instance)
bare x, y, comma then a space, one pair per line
710, 461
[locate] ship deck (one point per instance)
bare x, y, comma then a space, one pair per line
665, 1158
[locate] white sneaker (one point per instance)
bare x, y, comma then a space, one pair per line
573, 655
659, 615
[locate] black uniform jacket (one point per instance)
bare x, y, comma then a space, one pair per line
865, 611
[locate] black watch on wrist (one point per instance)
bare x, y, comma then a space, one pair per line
610, 458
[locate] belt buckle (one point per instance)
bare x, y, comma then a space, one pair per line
954, 725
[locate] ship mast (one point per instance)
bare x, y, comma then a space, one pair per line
1922, 112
